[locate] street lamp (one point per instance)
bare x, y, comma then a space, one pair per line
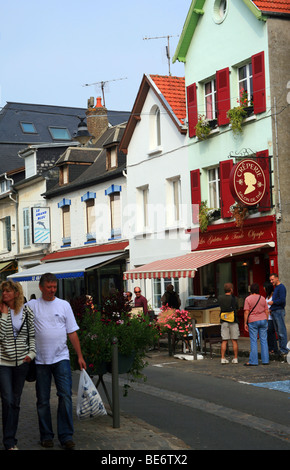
82, 136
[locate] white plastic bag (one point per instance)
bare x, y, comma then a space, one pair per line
89, 402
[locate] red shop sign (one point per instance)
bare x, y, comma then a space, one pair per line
247, 182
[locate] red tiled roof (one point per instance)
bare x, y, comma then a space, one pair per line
87, 251
173, 90
274, 6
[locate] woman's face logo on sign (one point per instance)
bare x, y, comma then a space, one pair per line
248, 182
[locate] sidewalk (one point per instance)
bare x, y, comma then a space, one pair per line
135, 434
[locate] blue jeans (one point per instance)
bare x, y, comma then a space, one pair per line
260, 328
12, 381
279, 322
61, 372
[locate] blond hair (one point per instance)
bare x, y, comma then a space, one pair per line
19, 299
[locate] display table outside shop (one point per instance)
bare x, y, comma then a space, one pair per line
204, 328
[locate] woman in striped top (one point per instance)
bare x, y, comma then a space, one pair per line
17, 349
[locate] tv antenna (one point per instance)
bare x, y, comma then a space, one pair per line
102, 84
167, 47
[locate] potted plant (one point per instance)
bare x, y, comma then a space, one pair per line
206, 215
202, 128
240, 213
176, 323
135, 334
237, 114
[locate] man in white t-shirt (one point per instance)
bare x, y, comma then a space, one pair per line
54, 321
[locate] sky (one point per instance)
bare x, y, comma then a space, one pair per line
50, 49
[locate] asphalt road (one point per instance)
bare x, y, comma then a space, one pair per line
212, 411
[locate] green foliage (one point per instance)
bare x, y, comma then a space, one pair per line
202, 128
135, 333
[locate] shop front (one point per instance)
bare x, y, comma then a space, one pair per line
255, 260
95, 271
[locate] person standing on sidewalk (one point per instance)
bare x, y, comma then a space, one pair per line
256, 323
54, 320
277, 309
17, 349
228, 303
140, 300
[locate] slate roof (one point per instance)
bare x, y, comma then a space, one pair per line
276, 6
97, 171
13, 139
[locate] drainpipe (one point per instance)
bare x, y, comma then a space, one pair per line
279, 213
16, 210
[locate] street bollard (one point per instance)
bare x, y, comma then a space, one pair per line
194, 340
115, 384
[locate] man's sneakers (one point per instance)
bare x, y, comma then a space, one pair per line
225, 361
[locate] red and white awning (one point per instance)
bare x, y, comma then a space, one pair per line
187, 265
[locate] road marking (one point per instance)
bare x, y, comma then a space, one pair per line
268, 427
280, 386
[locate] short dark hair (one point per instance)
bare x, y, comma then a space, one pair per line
255, 288
274, 274
228, 287
47, 277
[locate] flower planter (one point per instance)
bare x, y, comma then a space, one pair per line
96, 369
124, 363
249, 110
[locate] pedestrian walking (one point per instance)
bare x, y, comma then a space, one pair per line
256, 323
277, 308
54, 320
17, 349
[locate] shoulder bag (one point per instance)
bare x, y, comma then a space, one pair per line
228, 316
253, 308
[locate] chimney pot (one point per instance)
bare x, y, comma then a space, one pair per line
99, 102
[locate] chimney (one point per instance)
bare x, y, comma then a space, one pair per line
97, 119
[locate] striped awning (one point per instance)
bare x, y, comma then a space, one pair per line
187, 265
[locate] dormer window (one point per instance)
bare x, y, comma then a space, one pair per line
111, 158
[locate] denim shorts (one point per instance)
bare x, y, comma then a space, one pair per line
229, 331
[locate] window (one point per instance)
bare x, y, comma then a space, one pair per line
30, 165
64, 175
5, 186
220, 10
111, 158
155, 128
5, 233
159, 287
173, 201
28, 128
115, 210
213, 188
66, 231
210, 100
59, 133
26, 227
246, 81
91, 220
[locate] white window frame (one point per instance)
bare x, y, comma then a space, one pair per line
210, 100
213, 181
173, 201
246, 83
